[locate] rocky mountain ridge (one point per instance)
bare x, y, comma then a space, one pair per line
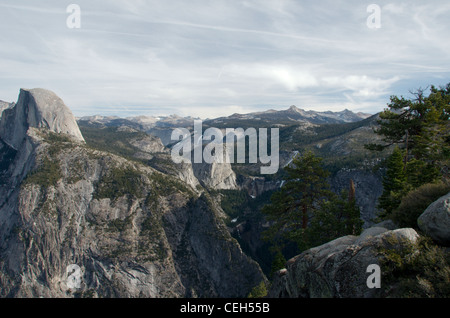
131, 230
162, 126
293, 114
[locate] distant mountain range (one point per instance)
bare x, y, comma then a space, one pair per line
295, 115
292, 115
162, 126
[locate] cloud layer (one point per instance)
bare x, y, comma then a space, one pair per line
213, 58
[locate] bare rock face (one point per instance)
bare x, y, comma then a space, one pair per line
217, 175
37, 108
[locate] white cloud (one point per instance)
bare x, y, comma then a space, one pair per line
293, 80
361, 86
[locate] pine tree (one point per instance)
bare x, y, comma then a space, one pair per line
433, 143
420, 126
292, 206
338, 216
394, 183
420, 172
279, 262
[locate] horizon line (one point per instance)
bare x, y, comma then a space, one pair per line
221, 116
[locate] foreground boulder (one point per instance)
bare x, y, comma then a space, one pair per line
339, 269
435, 220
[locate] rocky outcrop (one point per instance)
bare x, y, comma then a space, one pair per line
37, 108
339, 269
149, 144
435, 220
183, 171
216, 175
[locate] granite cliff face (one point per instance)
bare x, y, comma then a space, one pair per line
215, 175
128, 229
37, 108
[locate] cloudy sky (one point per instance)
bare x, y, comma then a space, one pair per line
208, 58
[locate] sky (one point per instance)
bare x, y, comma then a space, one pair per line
211, 58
